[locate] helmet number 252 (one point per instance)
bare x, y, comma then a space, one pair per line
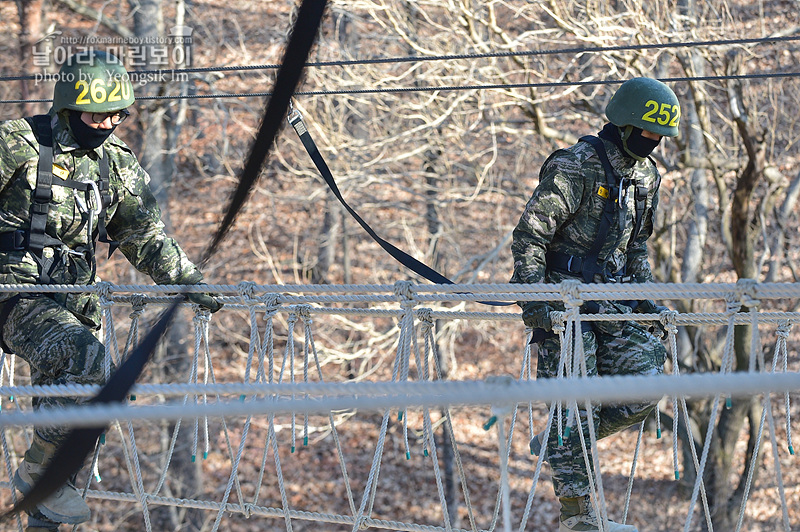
98, 91
667, 114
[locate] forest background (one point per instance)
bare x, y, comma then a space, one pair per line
435, 117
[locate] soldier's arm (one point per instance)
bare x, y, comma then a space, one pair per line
555, 200
137, 226
16, 149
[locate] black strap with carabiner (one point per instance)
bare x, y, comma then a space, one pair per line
420, 268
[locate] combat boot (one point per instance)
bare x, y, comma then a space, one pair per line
65, 505
536, 444
39, 523
578, 515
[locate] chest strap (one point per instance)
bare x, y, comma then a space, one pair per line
36, 238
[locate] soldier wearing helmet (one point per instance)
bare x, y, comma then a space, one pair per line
589, 219
67, 181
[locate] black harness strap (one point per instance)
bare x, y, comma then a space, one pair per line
40, 206
590, 266
105, 200
416, 266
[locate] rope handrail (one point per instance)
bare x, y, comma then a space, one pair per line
277, 398
380, 396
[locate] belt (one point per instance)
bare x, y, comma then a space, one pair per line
14, 240
564, 262
19, 240
575, 265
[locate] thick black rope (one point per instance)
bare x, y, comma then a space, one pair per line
72, 454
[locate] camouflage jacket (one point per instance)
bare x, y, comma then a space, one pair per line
564, 213
133, 218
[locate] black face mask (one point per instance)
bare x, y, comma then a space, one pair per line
636, 145
86, 136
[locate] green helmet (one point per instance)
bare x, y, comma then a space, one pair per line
93, 81
647, 104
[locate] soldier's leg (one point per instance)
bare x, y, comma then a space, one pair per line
634, 351
570, 476
59, 350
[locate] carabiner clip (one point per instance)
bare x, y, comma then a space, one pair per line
293, 115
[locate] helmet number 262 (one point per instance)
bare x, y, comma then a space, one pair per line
98, 91
667, 114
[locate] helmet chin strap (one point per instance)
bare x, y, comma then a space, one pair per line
635, 144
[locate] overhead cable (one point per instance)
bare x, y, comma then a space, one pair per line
448, 88
455, 57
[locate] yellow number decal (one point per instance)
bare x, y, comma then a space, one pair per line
98, 88
664, 115
648, 116
114, 94
126, 89
677, 116
82, 99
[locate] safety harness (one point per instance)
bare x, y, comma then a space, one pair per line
588, 265
35, 239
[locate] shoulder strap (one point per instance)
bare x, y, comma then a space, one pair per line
590, 265
105, 196
42, 194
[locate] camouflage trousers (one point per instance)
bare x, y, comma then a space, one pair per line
59, 350
621, 348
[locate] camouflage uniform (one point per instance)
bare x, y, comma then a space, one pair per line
563, 215
57, 333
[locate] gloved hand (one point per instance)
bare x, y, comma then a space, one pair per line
204, 300
536, 315
648, 306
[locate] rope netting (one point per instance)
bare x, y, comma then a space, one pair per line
331, 383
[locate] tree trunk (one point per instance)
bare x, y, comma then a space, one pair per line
159, 131
30, 30
722, 497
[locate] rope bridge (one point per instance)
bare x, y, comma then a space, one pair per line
290, 392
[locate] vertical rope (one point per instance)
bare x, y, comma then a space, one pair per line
765, 410
430, 344
305, 317
267, 346
233, 479
669, 320
727, 360
331, 421
629, 490
538, 470
783, 353
404, 347
572, 303
427, 428
403, 291
502, 444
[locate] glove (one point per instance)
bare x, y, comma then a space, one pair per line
536, 315
204, 300
648, 306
